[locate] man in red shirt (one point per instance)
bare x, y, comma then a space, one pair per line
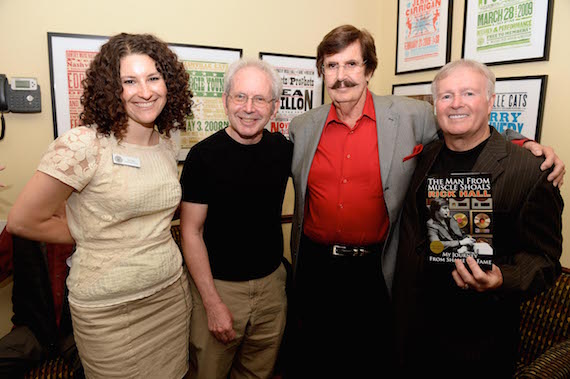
351, 168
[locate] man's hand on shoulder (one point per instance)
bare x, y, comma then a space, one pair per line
550, 159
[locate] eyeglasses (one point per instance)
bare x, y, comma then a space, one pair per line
257, 101
352, 66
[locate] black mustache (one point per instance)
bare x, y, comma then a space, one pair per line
343, 83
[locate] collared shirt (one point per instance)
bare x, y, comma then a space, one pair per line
345, 201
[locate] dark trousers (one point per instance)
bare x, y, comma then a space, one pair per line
344, 316
457, 333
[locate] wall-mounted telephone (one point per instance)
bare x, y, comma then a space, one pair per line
3, 92
19, 95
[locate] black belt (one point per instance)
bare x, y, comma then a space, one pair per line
342, 250
354, 251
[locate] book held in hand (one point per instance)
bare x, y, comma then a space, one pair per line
460, 223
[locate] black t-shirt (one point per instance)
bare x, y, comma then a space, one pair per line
243, 186
449, 161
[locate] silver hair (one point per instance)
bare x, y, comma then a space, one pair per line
276, 83
446, 70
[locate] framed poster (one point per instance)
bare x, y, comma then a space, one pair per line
206, 66
71, 54
518, 102
519, 105
423, 38
507, 31
419, 91
302, 88
69, 57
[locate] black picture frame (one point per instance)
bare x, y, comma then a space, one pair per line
524, 95
303, 88
208, 115
70, 55
415, 90
421, 45
518, 105
507, 44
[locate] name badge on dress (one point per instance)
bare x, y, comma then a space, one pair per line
125, 160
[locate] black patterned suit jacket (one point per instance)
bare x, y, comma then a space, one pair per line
527, 241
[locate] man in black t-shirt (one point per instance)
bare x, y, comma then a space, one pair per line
233, 184
463, 321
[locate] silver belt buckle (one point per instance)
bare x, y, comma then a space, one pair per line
336, 250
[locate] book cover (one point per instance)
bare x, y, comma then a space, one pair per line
460, 221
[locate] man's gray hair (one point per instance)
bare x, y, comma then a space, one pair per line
276, 83
446, 70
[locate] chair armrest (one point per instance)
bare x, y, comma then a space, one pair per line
53, 368
554, 363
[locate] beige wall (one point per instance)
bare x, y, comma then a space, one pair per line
253, 25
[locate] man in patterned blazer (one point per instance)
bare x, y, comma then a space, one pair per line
462, 321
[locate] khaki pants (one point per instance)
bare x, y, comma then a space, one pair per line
144, 338
259, 309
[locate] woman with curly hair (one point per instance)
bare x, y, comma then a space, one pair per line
128, 291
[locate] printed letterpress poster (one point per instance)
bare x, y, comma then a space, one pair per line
208, 116
298, 96
206, 67
69, 58
506, 30
302, 88
423, 27
504, 24
71, 54
518, 105
77, 64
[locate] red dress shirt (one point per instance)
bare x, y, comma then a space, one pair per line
345, 201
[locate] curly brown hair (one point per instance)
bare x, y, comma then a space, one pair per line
102, 87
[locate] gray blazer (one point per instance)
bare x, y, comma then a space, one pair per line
401, 124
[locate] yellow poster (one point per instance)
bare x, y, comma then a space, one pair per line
207, 84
